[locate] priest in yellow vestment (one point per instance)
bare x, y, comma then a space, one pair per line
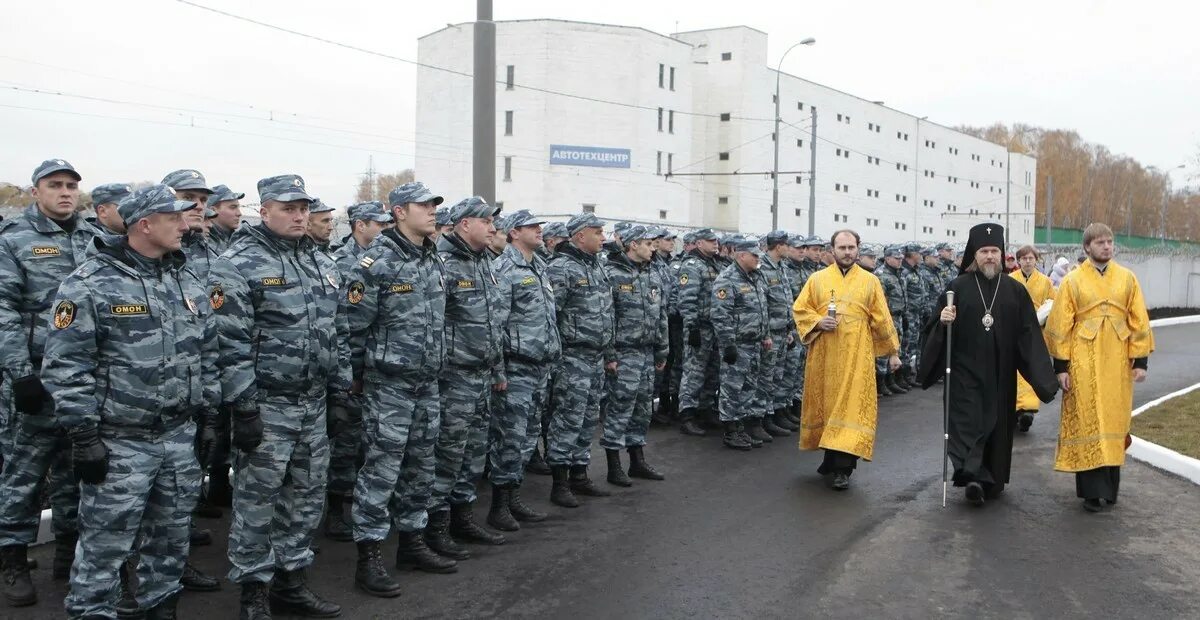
1040, 291
1099, 336
842, 317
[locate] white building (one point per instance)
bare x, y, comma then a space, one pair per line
593, 116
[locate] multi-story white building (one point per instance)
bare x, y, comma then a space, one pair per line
678, 130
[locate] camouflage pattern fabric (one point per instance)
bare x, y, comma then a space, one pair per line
776, 386
741, 319
897, 301
640, 343
701, 365
914, 290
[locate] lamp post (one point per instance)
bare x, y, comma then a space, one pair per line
775, 168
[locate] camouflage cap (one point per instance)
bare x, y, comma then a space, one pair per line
554, 229
636, 232
318, 207
704, 234
110, 192
221, 193
776, 237
868, 250
620, 227
666, 233
797, 241
743, 243
813, 241
186, 179
501, 223
283, 188
209, 213
893, 251
414, 191
475, 206
944, 246
150, 200
50, 166
910, 248
689, 237
442, 216
582, 221
523, 218
928, 251
372, 210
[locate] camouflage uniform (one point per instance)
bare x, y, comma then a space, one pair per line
675, 328
741, 320
396, 304
584, 310
220, 237
36, 255
914, 292
531, 348
639, 344
897, 301
777, 387
701, 365
475, 319
931, 278
282, 346
346, 445
135, 335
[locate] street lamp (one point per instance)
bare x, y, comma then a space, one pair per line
1162, 216
775, 169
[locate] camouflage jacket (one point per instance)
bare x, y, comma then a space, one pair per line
893, 288
639, 308
582, 299
696, 276
532, 321
133, 345
101, 229
395, 304
779, 294
36, 255
276, 303
475, 311
796, 276
675, 264
914, 289
931, 277
739, 307
948, 272
200, 254
219, 238
347, 256
666, 279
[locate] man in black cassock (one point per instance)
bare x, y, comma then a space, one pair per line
996, 334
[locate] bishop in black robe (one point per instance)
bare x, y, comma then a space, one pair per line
983, 370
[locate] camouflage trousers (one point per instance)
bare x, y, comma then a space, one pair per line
669, 379
701, 372
6, 429
576, 407
279, 490
517, 420
41, 454
797, 360
630, 396
462, 440
401, 429
739, 397
145, 505
881, 363
346, 454
911, 345
775, 387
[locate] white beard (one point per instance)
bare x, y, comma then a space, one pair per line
989, 271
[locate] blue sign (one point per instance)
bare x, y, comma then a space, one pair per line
595, 156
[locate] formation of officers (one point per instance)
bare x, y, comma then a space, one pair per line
371, 384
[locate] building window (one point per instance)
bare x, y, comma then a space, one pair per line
847, 120
799, 105
799, 142
722, 200
839, 118
662, 69
837, 187
658, 163
672, 78
723, 156
660, 119
726, 55
797, 212
901, 226
662, 214
587, 208
839, 152
508, 168
508, 122
670, 165
670, 121
508, 78
725, 116
799, 180
872, 222
774, 98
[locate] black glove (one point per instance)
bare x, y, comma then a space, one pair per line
206, 439
28, 395
694, 337
731, 355
89, 455
337, 412
247, 429
791, 345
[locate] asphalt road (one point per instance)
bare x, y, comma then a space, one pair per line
758, 534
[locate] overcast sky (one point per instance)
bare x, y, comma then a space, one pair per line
1123, 74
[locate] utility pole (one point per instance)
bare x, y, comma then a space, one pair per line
812, 176
1129, 215
370, 174
1008, 200
775, 167
483, 143
1049, 210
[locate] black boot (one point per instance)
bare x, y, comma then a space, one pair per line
336, 526
18, 588
974, 493
733, 439
710, 418
793, 413
894, 385
639, 468
662, 413
773, 429
463, 526
754, 427
499, 515
412, 553
747, 437
841, 481
783, 421
690, 426
370, 575
164, 610
127, 606
64, 556
290, 595
537, 464
220, 491
196, 581
254, 602
205, 509
881, 388
615, 474
437, 537
1024, 421
561, 493
199, 537
910, 379
519, 509
582, 485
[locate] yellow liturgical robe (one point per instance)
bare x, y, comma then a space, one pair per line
840, 402
1099, 325
1040, 290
